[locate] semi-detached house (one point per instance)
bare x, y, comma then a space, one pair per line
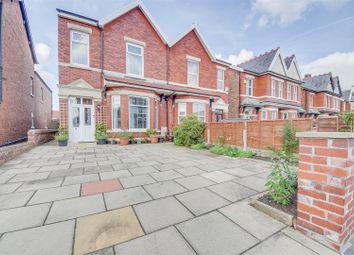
123, 72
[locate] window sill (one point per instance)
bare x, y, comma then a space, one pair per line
85, 67
134, 76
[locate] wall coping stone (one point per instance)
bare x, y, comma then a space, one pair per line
333, 135
42, 131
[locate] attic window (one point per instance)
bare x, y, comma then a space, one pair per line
135, 60
79, 48
193, 73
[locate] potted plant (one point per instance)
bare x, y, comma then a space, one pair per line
101, 134
62, 136
153, 135
124, 137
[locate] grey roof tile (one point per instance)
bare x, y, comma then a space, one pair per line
288, 60
324, 82
261, 63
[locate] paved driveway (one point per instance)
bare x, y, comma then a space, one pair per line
141, 199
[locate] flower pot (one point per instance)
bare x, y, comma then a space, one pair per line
101, 141
138, 141
160, 139
63, 143
113, 141
154, 139
124, 141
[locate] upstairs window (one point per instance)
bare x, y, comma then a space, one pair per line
295, 93
135, 60
42, 94
115, 112
311, 100
220, 79
79, 48
273, 88
264, 115
280, 89
193, 73
249, 86
32, 87
288, 91
199, 111
273, 115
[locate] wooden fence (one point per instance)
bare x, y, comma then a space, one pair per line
257, 134
330, 124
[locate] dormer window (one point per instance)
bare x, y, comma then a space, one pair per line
135, 59
79, 48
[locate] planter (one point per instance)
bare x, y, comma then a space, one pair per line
138, 141
154, 139
160, 139
124, 141
101, 141
113, 141
63, 143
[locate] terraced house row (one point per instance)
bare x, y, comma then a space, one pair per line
124, 72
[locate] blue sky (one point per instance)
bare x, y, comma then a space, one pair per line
319, 32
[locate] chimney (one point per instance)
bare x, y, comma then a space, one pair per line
307, 75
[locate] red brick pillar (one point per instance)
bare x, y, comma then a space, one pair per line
325, 206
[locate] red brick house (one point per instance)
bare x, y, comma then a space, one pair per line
321, 95
122, 71
270, 87
347, 100
18, 79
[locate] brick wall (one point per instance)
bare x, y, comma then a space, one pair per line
43, 108
326, 186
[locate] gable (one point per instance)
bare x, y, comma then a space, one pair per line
293, 72
278, 65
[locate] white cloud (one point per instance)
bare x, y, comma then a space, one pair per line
341, 64
285, 12
243, 56
42, 52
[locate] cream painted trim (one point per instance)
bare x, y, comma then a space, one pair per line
134, 41
132, 93
248, 76
191, 100
277, 79
281, 98
201, 88
80, 67
79, 92
124, 75
270, 109
72, 17
221, 68
79, 28
193, 58
288, 111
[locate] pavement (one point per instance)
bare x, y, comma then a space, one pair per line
148, 199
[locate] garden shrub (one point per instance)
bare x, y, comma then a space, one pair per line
189, 132
348, 119
101, 131
198, 146
62, 134
282, 181
231, 152
291, 142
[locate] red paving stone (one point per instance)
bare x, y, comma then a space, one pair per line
99, 187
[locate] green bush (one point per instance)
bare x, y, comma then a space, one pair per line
231, 152
151, 132
198, 146
189, 132
291, 142
62, 134
282, 181
101, 131
348, 119
124, 134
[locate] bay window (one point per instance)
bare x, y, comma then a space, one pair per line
220, 79
273, 88
199, 111
135, 59
182, 111
79, 48
193, 73
115, 112
138, 112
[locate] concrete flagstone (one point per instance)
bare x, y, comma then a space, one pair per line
13, 200
54, 168
238, 172
41, 184
164, 189
30, 177
126, 197
166, 175
189, 171
102, 230
133, 181
213, 234
142, 170
211, 167
91, 188
194, 182
80, 179
166, 167
105, 251
218, 176
232, 191
114, 174
21, 170
164, 242
9, 187
201, 201
161, 213
68, 172
253, 182
23, 217
124, 166
53, 194
53, 239
5, 177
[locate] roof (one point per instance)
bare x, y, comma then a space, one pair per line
323, 83
78, 16
260, 64
346, 95
45, 84
28, 30
288, 61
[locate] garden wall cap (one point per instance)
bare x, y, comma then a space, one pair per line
334, 135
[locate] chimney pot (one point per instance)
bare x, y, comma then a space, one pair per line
308, 75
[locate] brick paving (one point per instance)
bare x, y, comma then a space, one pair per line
139, 199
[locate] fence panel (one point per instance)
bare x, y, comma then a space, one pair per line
330, 124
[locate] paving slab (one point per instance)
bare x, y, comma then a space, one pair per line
164, 242
54, 194
75, 207
211, 167
53, 239
106, 251
148, 163
213, 233
201, 201
23, 217
54, 168
21, 170
9, 187
133, 181
124, 166
255, 222
142, 170
91, 188
253, 182
102, 230
126, 197
41, 184
194, 182
80, 179
164, 189
68, 172
238, 172
218, 176
189, 171
13, 200
280, 244
166, 167
5, 177
161, 213
114, 174
30, 177
166, 175
232, 191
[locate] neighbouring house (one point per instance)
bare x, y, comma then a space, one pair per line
347, 100
321, 95
270, 87
25, 99
122, 71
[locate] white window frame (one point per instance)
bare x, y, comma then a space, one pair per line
280, 89
71, 48
179, 111
113, 104
263, 117
273, 115
189, 73
288, 91
295, 93
148, 114
197, 105
221, 81
273, 88
32, 86
312, 100
249, 86
126, 59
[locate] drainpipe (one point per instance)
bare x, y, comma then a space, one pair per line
1, 51
101, 67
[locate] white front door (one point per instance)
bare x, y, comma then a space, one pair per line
81, 120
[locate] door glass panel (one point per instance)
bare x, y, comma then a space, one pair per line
76, 116
87, 113
87, 101
78, 100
